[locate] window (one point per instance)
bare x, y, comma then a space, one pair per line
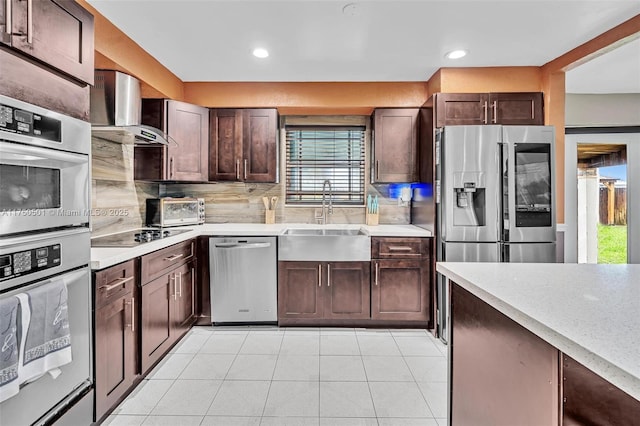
319, 153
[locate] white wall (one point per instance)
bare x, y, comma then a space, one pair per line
632, 140
618, 109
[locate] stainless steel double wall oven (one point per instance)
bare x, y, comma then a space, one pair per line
44, 250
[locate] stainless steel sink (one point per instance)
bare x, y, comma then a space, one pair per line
324, 245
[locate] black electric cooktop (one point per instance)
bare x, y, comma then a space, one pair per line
135, 238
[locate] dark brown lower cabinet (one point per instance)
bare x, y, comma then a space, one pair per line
115, 335
167, 312
400, 289
323, 290
503, 374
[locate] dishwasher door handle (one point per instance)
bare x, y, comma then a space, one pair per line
243, 245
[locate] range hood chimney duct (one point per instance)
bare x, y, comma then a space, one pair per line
116, 108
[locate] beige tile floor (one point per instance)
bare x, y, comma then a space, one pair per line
294, 376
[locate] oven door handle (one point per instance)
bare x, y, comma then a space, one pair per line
25, 154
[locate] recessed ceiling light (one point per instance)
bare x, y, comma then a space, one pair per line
260, 52
456, 54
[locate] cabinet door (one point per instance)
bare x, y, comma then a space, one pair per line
157, 298
188, 125
115, 352
517, 108
59, 33
299, 290
225, 149
259, 135
461, 109
347, 292
395, 145
400, 290
184, 303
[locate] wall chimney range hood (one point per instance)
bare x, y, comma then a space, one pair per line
116, 107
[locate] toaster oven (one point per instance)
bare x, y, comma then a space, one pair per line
166, 211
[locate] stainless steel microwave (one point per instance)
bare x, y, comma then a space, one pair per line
167, 211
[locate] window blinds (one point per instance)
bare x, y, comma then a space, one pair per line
315, 154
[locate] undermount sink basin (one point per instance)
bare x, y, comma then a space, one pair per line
323, 231
324, 245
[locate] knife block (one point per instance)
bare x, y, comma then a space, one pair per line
372, 218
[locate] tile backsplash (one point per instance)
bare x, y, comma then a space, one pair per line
242, 202
118, 201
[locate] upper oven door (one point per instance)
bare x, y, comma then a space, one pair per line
42, 188
32, 125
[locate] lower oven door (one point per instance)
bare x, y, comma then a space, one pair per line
45, 397
42, 188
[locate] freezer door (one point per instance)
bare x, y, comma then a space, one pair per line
529, 253
471, 252
529, 169
470, 186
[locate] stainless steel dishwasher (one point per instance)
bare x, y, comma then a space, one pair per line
244, 284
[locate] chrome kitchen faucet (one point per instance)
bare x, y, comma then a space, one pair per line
329, 210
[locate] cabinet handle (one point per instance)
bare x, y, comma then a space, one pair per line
133, 314
377, 169
485, 108
237, 169
118, 283
399, 248
494, 106
174, 257
179, 277
377, 273
174, 277
533, 109
171, 167
193, 284
245, 169
320, 275
30, 21
8, 22
328, 275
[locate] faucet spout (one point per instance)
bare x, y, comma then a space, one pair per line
329, 210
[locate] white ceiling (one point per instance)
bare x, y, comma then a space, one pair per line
378, 40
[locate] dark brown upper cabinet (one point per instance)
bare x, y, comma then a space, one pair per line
395, 145
243, 145
186, 156
519, 108
58, 33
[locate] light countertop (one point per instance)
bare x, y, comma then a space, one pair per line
589, 312
104, 257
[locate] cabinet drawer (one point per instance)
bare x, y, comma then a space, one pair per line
399, 248
114, 282
159, 262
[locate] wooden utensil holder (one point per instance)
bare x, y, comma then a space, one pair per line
269, 216
372, 218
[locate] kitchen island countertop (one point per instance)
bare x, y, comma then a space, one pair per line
589, 312
103, 257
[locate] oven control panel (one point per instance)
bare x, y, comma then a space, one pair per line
23, 122
29, 261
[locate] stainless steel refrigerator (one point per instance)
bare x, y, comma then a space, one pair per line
495, 198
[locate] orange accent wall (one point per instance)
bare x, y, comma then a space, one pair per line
489, 79
553, 86
310, 98
115, 50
